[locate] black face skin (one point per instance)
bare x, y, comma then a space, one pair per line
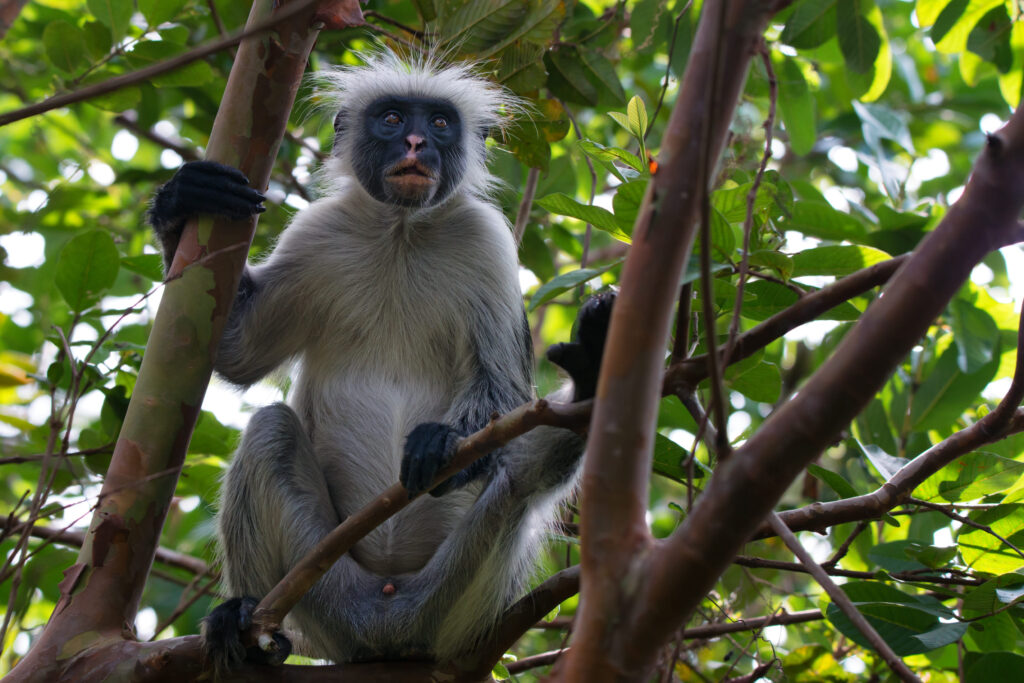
408, 150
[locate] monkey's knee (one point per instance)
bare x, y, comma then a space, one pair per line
274, 434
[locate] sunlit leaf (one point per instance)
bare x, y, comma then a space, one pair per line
87, 267
65, 46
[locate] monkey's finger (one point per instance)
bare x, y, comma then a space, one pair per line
212, 201
213, 168
193, 185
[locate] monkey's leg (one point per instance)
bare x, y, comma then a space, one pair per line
275, 507
487, 560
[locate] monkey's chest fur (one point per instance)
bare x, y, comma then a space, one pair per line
393, 347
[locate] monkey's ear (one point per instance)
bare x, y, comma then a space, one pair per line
339, 123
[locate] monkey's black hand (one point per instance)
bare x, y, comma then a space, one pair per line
200, 187
582, 358
428, 450
222, 632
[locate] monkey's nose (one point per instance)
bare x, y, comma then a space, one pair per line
414, 143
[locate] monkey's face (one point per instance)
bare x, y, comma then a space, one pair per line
409, 150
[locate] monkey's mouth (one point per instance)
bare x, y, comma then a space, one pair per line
411, 181
411, 169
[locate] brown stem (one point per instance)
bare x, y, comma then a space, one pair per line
840, 600
523, 215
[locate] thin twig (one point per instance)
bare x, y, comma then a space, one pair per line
668, 65
748, 222
840, 599
719, 409
963, 519
145, 74
523, 215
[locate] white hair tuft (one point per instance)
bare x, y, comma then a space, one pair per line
483, 105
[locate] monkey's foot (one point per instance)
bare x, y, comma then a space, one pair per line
224, 633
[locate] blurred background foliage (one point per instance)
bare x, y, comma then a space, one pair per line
879, 108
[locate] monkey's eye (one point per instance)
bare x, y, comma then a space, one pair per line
392, 118
439, 122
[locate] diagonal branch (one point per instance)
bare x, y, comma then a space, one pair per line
289, 590
1004, 420
745, 488
840, 599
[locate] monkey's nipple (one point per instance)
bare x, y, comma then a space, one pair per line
388, 589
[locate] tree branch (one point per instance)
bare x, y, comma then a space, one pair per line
840, 599
287, 12
745, 488
614, 534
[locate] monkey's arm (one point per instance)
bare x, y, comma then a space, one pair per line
503, 381
267, 323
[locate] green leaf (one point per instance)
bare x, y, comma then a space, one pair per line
990, 38
669, 457
879, 122
529, 137
636, 113
811, 24
643, 23
478, 24
535, 255
692, 272
796, 105
976, 335
626, 202
723, 239
770, 298
565, 282
947, 18
535, 26
159, 11
148, 265
600, 152
909, 624
521, 68
970, 477
932, 556
858, 39
984, 552
731, 200
426, 9
894, 556
761, 383
995, 594
97, 39
622, 120
995, 666
836, 260
819, 219
86, 268
873, 427
568, 77
834, 480
211, 437
150, 52
947, 392
777, 261
114, 14
65, 46
603, 219
601, 73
